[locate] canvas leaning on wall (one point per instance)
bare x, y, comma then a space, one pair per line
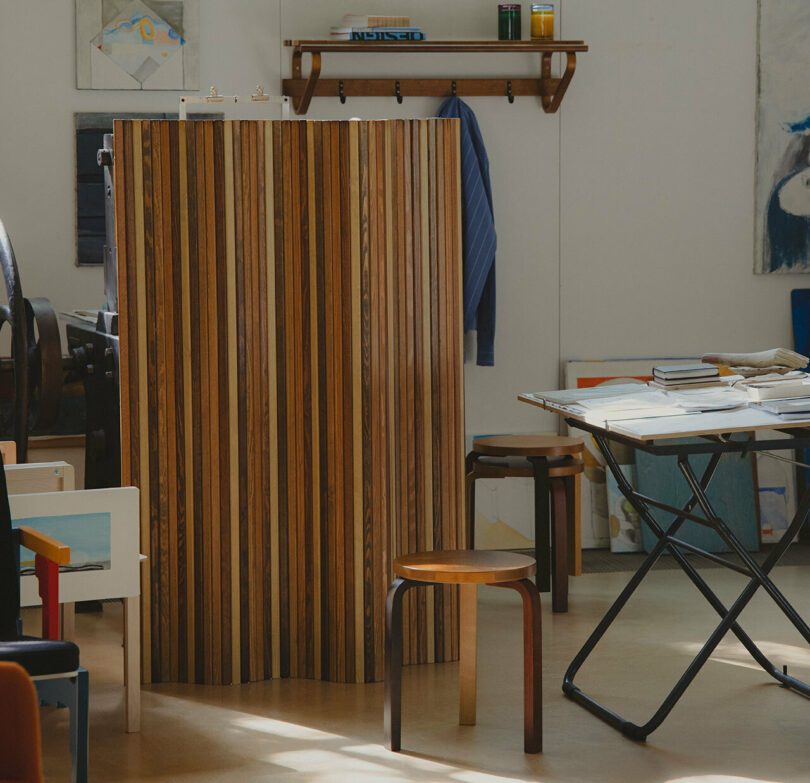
137, 44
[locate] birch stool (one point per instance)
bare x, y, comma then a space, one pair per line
467, 569
554, 462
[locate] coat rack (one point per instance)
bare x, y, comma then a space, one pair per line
550, 90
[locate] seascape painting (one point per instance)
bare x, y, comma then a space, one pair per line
87, 535
782, 227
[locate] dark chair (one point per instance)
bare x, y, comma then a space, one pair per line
51, 663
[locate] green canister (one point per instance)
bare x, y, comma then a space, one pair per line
509, 22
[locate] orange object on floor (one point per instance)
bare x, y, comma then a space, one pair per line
20, 748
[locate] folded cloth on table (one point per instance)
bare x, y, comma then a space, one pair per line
775, 356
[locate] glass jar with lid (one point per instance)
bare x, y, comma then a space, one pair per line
509, 28
542, 22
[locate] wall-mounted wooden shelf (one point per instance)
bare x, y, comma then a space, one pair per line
550, 90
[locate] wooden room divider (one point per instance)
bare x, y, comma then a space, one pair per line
291, 388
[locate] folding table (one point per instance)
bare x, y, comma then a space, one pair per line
655, 436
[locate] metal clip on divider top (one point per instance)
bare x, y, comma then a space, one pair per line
214, 97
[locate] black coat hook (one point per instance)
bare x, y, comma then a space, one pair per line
341, 94
509, 92
453, 88
398, 93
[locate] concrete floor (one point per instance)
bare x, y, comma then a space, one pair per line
734, 724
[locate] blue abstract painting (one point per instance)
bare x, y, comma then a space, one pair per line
782, 242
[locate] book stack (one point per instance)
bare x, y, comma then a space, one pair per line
377, 28
787, 410
785, 388
685, 376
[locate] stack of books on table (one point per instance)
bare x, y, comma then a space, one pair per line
685, 376
787, 409
377, 28
792, 386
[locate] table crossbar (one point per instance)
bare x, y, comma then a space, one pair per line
667, 541
709, 556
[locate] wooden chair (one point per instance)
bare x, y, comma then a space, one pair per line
467, 569
20, 748
554, 462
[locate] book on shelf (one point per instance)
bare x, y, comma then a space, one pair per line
683, 371
387, 34
375, 20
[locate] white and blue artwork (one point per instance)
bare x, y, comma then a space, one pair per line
782, 242
137, 44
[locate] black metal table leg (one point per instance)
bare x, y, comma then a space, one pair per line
666, 541
542, 523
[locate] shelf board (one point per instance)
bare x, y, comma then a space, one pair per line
437, 46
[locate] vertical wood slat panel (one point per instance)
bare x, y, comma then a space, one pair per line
292, 404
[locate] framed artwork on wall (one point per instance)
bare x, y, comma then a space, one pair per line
782, 225
137, 44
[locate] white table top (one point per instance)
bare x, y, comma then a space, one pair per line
745, 419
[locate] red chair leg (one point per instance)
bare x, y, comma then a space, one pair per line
47, 573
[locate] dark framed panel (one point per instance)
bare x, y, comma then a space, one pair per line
90, 128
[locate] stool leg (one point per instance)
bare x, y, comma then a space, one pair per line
470, 480
559, 547
573, 508
532, 665
470, 477
542, 524
392, 712
468, 653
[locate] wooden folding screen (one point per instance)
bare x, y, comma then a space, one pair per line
291, 388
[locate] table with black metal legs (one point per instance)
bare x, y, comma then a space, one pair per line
714, 444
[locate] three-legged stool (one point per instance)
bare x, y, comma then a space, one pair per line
466, 569
553, 461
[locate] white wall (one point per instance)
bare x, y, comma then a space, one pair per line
624, 221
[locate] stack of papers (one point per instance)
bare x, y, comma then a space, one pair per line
641, 405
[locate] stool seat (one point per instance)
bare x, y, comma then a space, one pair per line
519, 467
527, 445
465, 567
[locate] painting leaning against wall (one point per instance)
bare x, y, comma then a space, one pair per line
782, 234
